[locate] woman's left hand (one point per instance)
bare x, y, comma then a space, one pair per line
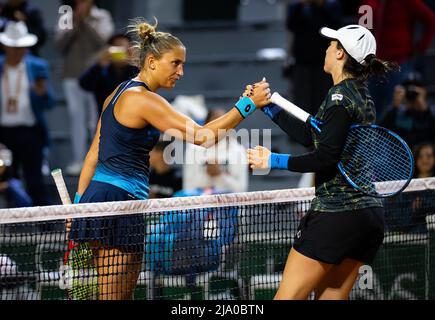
258, 158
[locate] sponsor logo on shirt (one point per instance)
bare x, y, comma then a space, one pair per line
337, 96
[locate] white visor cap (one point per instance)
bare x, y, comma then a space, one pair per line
358, 41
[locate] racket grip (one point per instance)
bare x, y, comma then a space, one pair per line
291, 108
61, 187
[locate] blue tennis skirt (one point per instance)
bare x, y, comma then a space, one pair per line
124, 232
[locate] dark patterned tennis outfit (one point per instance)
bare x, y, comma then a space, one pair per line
342, 222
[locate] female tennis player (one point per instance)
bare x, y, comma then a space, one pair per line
116, 167
343, 228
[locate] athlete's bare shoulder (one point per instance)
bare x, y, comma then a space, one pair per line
140, 97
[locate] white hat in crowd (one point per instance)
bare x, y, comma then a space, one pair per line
17, 35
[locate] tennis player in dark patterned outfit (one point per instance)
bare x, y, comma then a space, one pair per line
116, 167
343, 228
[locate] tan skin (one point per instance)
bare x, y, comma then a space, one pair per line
303, 275
137, 108
3, 185
425, 162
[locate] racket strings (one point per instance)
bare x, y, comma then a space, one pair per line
382, 160
84, 284
372, 154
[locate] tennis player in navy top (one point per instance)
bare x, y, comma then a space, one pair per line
343, 228
116, 167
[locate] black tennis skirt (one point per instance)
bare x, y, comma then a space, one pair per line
331, 237
126, 232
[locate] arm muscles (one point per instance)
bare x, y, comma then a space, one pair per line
159, 113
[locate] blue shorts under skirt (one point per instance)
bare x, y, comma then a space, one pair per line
123, 232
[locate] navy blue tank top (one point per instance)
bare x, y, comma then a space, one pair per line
123, 157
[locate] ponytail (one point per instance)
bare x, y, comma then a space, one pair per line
371, 67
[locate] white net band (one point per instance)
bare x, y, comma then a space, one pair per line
50, 213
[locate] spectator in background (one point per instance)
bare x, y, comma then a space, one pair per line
424, 157
113, 67
394, 29
304, 20
411, 115
92, 27
192, 106
27, 12
410, 214
12, 193
165, 179
25, 94
222, 167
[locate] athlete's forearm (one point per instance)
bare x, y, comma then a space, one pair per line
295, 128
210, 134
90, 163
88, 170
328, 151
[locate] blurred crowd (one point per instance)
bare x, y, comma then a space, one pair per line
95, 60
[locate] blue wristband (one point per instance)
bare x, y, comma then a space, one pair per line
245, 106
77, 198
279, 161
271, 110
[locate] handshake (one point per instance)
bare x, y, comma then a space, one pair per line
259, 93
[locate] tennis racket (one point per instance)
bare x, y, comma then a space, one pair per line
374, 160
81, 278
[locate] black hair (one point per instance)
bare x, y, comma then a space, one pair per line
371, 67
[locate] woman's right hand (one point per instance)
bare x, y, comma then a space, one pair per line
258, 158
259, 93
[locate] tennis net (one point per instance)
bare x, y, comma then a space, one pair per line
220, 247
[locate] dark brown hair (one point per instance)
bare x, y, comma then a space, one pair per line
371, 67
149, 41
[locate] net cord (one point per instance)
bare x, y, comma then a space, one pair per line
102, 209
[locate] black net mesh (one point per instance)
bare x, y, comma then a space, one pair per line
228, 251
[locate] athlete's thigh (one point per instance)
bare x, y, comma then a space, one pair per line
301, 275
339, 281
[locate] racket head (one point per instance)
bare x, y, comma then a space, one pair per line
82, 274
376, 161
